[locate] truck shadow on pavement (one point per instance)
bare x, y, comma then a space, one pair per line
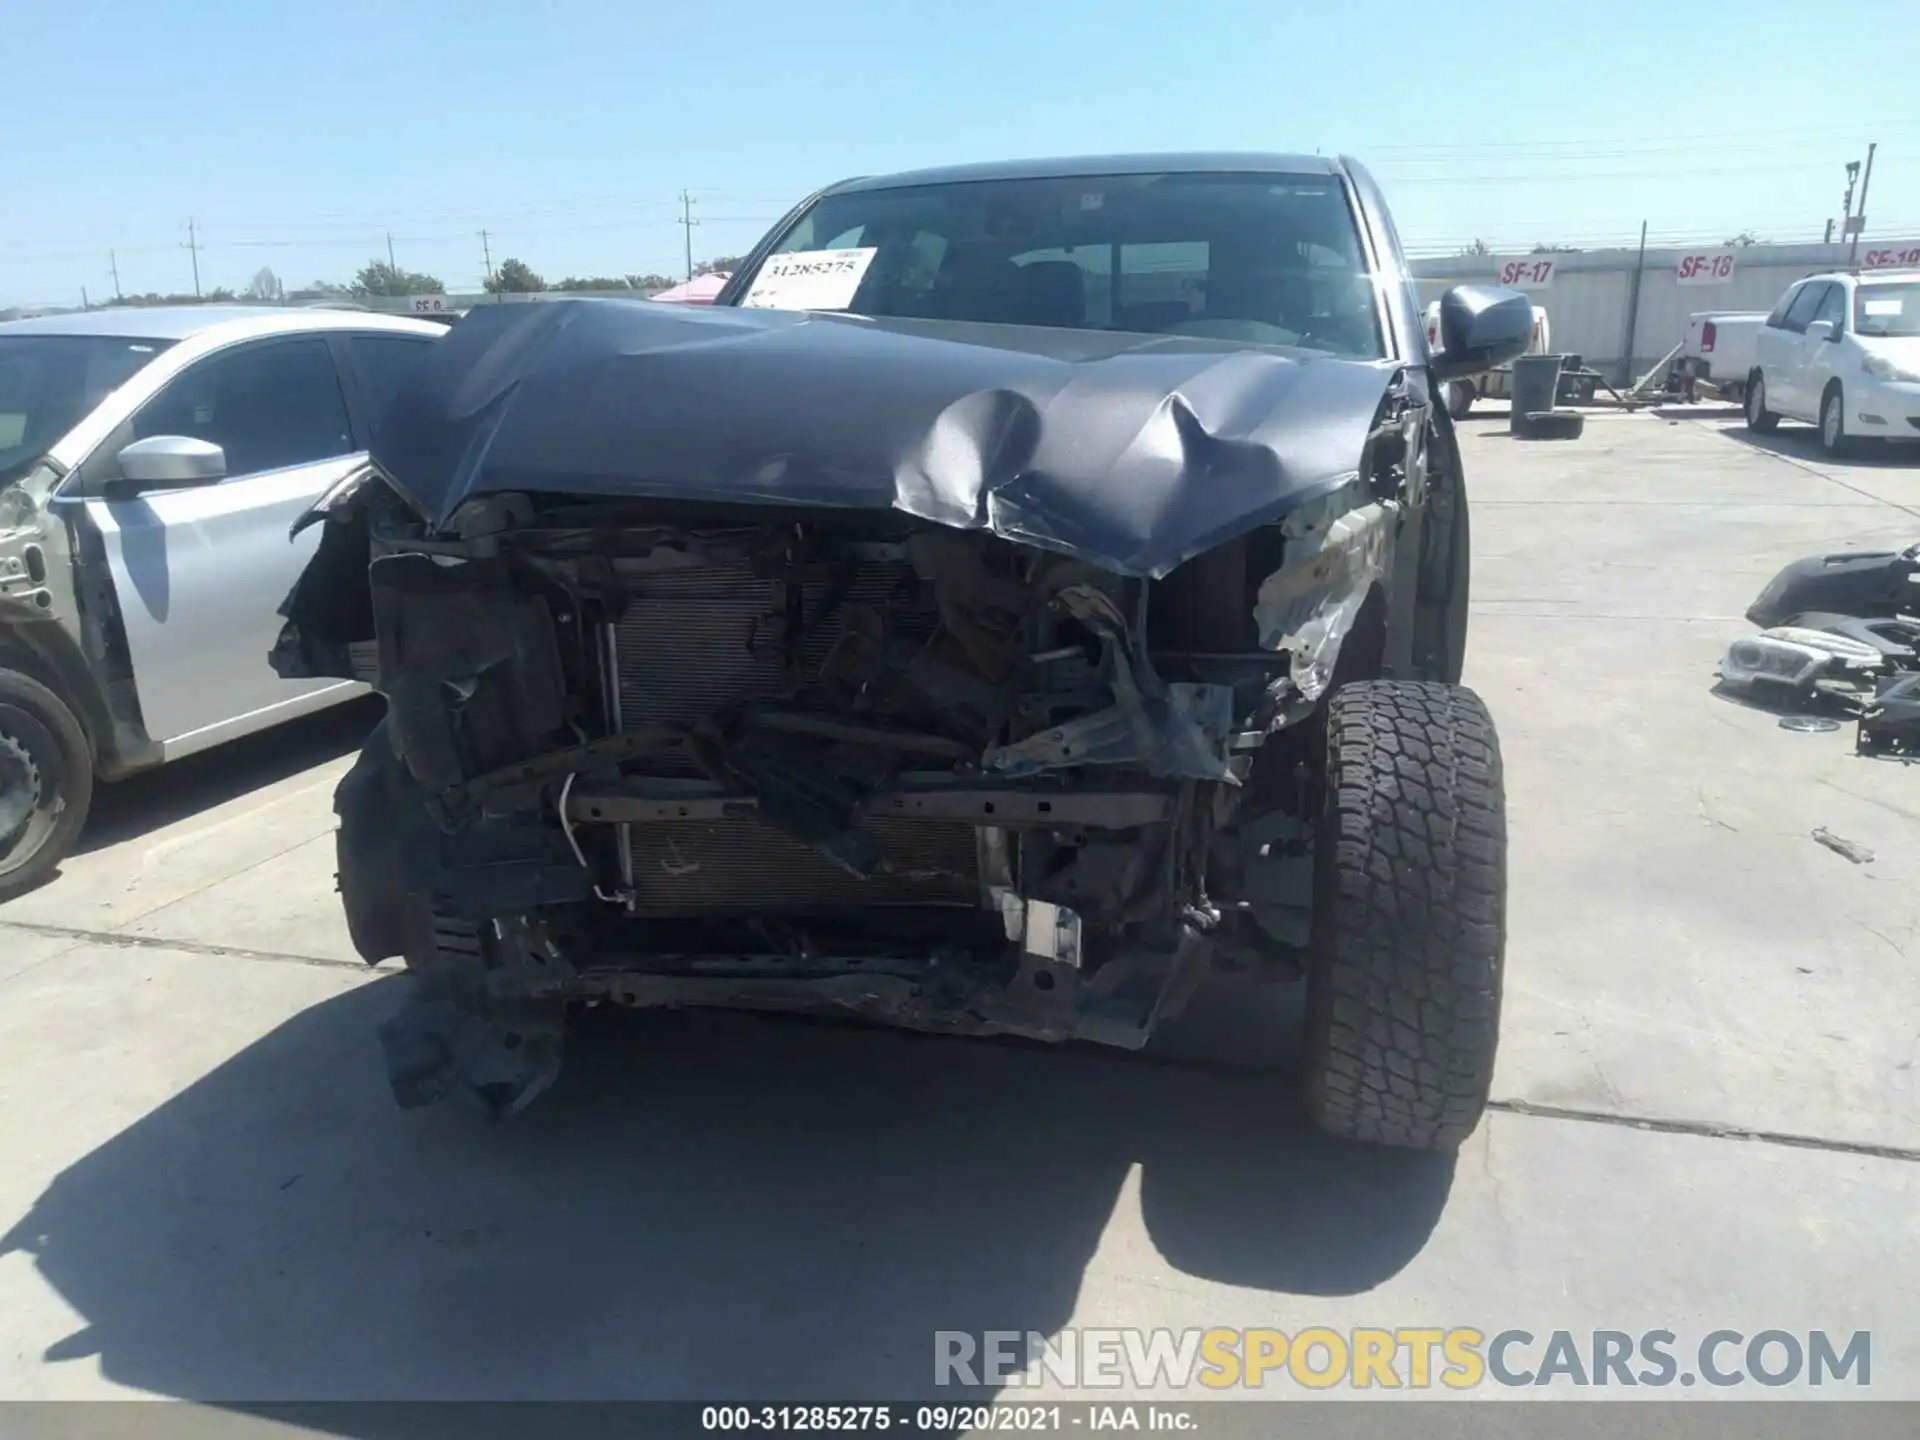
1802, 443
155, 799
707, 1206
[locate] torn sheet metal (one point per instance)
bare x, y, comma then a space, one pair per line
1307, 607
1173, 731
1132, 452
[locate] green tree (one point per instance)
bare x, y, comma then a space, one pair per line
652, 282
1545, 249
514, 277
377, 277
1743, 239
1476, 247
589, 283
719, 264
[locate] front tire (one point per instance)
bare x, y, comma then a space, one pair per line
46, 782
1760, 420
1834, 440
1409, 923
1460, 395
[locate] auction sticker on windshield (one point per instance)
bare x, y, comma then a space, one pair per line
810, 279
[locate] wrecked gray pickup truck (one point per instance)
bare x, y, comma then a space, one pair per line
1030, 591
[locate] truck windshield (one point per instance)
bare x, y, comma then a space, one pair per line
1887, 309
49, 383
1268, 259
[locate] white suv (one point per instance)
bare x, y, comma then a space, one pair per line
1841, 351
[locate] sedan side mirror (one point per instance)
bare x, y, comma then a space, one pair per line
170, 462
1481, 326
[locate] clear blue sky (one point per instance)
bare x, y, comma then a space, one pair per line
297, 136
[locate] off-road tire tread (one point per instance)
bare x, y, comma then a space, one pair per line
1404, 981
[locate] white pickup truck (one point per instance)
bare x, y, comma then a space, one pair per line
1718, 354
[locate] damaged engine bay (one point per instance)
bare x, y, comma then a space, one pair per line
694, 748
931, 777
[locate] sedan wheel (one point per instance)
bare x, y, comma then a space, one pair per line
46, 782
1833, 423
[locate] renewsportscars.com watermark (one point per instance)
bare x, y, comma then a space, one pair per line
1403, 1358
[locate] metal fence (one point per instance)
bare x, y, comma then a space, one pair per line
1594, 311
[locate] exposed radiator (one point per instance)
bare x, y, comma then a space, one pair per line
745, 865
681, 653
682, 644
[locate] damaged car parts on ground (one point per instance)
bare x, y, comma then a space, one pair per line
1077, 617
1839, 633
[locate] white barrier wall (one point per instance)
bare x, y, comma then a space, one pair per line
1585, 293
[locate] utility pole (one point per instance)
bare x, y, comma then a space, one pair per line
486, 253
1859, 222
85, 304
193, 249
1633, 310
687, 222
390, 265
113, 264
1827, 239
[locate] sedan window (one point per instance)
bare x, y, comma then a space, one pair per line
268, 406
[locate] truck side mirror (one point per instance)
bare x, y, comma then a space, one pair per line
1481, 326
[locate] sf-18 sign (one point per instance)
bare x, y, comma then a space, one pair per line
1704, 267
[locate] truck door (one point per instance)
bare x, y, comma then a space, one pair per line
199, 572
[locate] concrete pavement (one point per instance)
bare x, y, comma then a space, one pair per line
208, 1193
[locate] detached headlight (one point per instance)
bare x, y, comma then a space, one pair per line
1795, 657
1881, 368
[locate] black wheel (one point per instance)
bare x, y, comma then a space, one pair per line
1409, 923
1760, 420
1460, 397
46, 782
1834, 440
1551, 425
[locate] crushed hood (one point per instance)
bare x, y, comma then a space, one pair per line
1133, 452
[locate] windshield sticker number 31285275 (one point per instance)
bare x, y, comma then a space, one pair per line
809, 279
